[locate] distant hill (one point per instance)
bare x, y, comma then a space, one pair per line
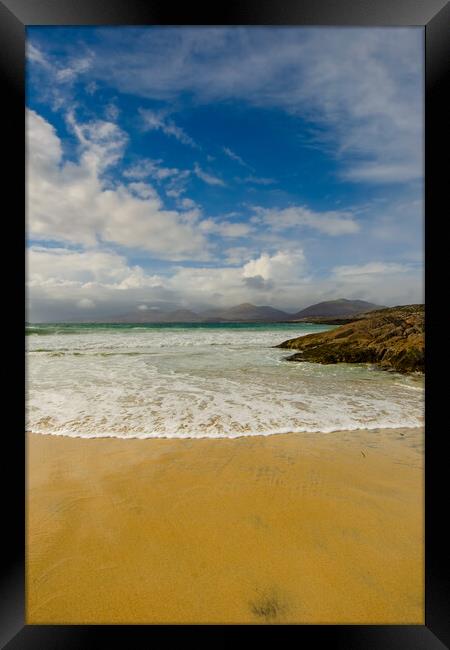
248, 313
183, 316
158, 316
342, 307
245, 312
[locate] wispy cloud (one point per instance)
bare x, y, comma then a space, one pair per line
331, 222
159, 121
226, 228
209, 179
382, 173
35, 55
112, 111
117, 220
255, 180
371, 268
147, 168
58, 74
231, 154
82, 208
44, 72
371, 111
73, 69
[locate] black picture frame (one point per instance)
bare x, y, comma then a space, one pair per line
434, 16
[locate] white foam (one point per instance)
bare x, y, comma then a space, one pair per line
203, 383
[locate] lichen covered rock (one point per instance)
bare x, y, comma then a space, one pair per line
392, 338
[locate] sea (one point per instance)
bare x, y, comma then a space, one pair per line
201, 380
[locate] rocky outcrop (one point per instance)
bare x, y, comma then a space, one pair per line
392, 338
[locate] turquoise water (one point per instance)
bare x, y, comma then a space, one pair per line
80, 328
195, 380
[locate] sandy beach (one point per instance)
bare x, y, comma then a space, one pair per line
291, 528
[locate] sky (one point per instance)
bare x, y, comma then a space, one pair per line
193, 167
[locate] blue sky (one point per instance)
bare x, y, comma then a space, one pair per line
210, 166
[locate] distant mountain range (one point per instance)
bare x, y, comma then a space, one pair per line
158, 316
246, 312
342, 307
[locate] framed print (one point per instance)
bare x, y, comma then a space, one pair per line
228, 225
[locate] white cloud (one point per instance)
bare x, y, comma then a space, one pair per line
369, 269
382, 173
173, 180
283, 266
70, 202
225, 228
231, 154
255, 180
158, 121
273, 279
91, 88
35, 55
331, 223
237, 255
187, 204
362, 86
86, 303
399, 223
177, 185
62, 281
112, 111
228, 229
387, 283
74, 68
209, 179
57, 74
87, 269
147, 168
43, 145
101, 142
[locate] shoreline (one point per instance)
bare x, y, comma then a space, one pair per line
225, 436
281, 528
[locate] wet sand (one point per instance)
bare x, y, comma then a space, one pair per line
292, 528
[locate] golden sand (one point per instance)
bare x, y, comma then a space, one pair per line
292, 528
